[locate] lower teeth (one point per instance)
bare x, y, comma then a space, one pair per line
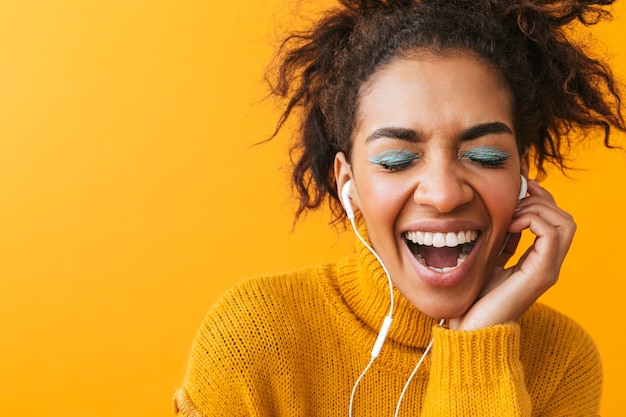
459, 261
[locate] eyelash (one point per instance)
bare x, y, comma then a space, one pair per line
394, 160
487, 157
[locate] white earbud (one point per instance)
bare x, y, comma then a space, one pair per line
523, 189
345, 199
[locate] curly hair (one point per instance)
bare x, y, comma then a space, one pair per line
558, 89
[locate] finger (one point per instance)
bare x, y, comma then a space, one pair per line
541, 263
534, 188
551, 213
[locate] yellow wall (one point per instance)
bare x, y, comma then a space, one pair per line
130, 198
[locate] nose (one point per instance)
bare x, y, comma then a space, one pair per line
443, 189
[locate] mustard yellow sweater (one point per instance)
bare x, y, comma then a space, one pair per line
294, 344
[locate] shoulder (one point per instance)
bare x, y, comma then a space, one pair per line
258, 310
274, 293
252, 330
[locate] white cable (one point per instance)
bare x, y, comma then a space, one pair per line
381, 264
356, 384
408, 381
382, 334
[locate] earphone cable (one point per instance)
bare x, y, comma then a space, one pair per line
408, 381
382, 335
380, 261
356, 384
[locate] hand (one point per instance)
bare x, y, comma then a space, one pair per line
510, 292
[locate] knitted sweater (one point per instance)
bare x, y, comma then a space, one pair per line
294, 345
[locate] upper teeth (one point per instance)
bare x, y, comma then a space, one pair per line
439, 240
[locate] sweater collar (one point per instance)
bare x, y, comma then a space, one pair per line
365, 288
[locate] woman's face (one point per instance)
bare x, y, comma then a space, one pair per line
435, 172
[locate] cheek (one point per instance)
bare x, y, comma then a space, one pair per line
381, 202
500, 202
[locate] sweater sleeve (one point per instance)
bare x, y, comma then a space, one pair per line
477, 373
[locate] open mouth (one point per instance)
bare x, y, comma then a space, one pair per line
441, 252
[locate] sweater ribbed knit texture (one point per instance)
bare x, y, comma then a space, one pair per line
294, 344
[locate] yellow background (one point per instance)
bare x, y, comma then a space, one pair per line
131, 197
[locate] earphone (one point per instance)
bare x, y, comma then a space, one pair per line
382, 334
384, 329
522, 191
345, 199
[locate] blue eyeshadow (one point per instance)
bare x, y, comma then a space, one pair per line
394, 159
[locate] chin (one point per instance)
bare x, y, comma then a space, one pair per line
445, 307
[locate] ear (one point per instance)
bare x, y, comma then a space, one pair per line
343, 174
525, 163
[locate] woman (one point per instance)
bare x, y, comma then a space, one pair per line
420, 123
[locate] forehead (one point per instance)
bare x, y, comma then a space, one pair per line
426, 88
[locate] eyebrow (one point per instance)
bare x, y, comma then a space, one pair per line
410, 135
484, 129
400, 133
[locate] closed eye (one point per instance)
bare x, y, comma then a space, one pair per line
394, 159
487, 156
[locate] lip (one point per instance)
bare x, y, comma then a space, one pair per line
445, 227
450, 278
